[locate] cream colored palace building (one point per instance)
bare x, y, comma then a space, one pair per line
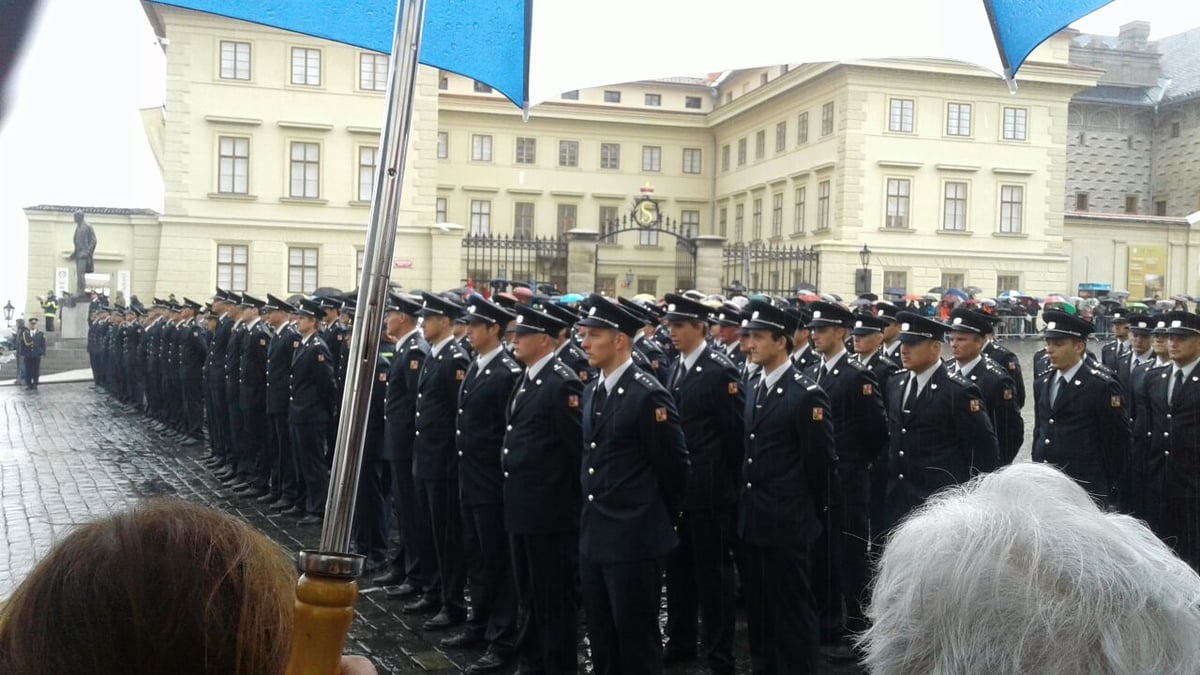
268, 141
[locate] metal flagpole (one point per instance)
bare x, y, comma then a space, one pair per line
327, 590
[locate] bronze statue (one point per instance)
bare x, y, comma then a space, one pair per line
84, 253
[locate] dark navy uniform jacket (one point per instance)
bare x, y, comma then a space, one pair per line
709, 399
540, 458
1086, 432
805, 357
574, 358
856, 400
312, 395
479, 433
434, 453
1000, 398
1012, 365
193, 349
656, 358
1111, 352
214, 366
1173, 432
373, 449
944, 440
279, 368
233, 361
789, 473
252, 381
633, 471
400, 398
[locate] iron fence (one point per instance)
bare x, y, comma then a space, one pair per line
772, 269
500, 260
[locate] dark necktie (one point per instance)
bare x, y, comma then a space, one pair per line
821, 373
599, 399
680, 371
914, 389
1062, 389
1177, 387
518, 394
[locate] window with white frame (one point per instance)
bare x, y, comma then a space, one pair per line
653, 99
439, 210
692, 102
233, 262
823, 190
958, 119
651, 158
482, 87
372, 72
572, 95
953, 280
305, 170
306, 66
523, 220
612, 96
1012, 206
725, 157
302, 270
897, 203
741, 152
233, 173
756, 220
568, 153
739, 221
900, 115
567, 219
647, 285
777, 214
359, 256
802, 128
827, 119
780, 137
722, 221
235, 60
609, 222
895, 279
481, 148
1007, 282
800, 205
1014, 123
526, 150
691, 160
610, 155
689, 223
481, 218
443, 149
368, 156
954, 207
760, 144
647, 237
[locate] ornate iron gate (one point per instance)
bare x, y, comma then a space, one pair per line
772, 269
498, 261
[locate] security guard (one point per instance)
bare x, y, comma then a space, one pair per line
1081, 425
193, 349
311, 406
633, 476
939, 430
841, 564
541, 494
789, 476
406, 573
283, 341
479, 439
252, 399
435, 464
967, 330
1113, 350
1173, 470
50, 310
700, 585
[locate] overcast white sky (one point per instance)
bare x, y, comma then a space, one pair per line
74, 135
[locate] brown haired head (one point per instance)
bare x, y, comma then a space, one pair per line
167, 587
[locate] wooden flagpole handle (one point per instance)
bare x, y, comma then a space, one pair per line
324, 610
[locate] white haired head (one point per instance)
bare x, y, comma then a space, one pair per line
1018, 571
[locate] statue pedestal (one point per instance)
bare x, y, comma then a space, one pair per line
73, 321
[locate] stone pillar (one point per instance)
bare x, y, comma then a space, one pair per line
709, 259
445, 257
581, 260
73, 321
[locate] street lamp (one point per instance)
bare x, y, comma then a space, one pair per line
8, 312
862, 277
629, 278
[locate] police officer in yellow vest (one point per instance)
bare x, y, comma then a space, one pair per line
50, 310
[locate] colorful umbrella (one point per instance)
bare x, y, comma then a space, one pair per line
1011, 294
956, 292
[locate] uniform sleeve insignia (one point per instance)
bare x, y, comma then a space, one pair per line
1114, 402
583, 376
572, 401
383, 377
973, 405
321, 358
1012, 365
660, 415
459, 374
414, 365
733, 388
1008, 394
868, 389
818, 414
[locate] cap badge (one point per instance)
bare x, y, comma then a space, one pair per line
671, 307
1176, 323
754, 315
1050, 325
858, 324
471, 309
521, 318
957, 320
905, 326
817, 314
592, 311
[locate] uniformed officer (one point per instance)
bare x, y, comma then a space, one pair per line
282, 343
133, 362
887, 312
235, 474
967, 331
479, 439
728, 319
371, 518
149, 355
1081, 425
1173, 470
789, 480
435, 464
541, 494
708, 393
633, 476
407, 573
568, 350
1003, 357
939, 430
841, 555
655, 358
803, 354
311, 405
1133, 370
214, 383
1114, 349
252, 392
193, 349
